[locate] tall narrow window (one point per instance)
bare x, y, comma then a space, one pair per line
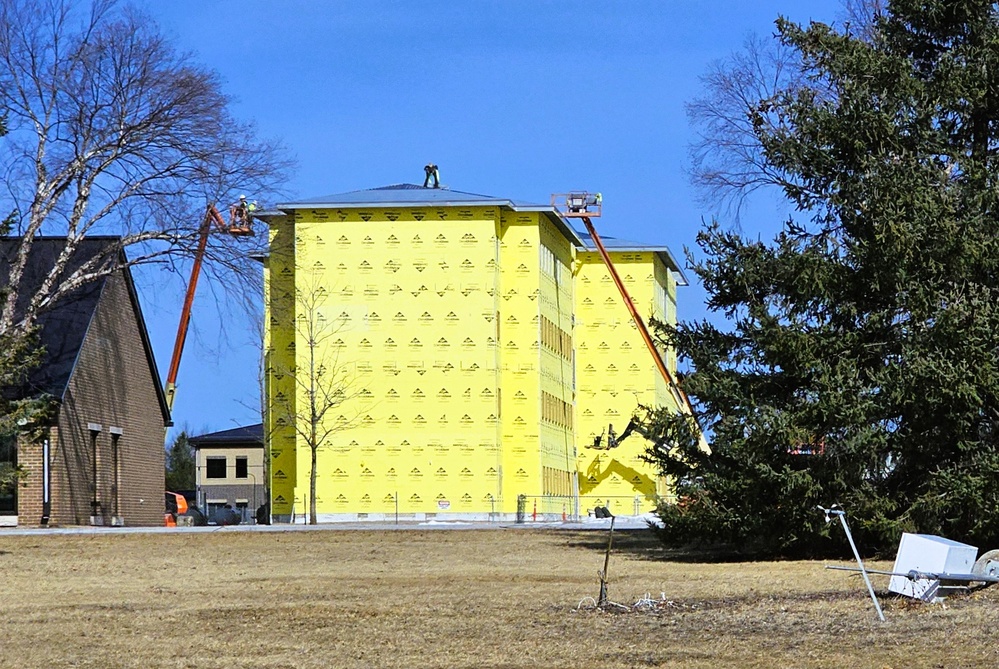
8, 459
116, 472
241, 468
95, 499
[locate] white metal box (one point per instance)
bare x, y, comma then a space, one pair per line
926, 552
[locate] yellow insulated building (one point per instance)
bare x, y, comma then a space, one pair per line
428, 341
615, 371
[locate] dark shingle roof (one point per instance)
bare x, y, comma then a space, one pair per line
64, 326
248, 434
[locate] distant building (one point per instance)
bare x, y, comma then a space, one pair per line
105, 445
230, 470
484, 347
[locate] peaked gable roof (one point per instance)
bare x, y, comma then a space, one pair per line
64, 325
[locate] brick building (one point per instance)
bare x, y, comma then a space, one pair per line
105, 443
230, 469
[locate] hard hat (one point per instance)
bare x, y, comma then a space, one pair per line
242, 197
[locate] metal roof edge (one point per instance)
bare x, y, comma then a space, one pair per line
552, 213
676, 266
564, 226
457, 202
664, 253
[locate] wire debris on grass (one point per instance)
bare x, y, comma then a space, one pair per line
645, 603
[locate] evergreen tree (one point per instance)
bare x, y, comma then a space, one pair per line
860, 363
180, 464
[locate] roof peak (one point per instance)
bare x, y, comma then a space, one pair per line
404, 187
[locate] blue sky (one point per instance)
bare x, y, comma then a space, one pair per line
513, 98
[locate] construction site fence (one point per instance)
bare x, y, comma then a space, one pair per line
567, 508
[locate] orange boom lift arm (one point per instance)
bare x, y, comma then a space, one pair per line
584, 206
239, 226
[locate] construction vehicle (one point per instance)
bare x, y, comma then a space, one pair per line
176, 505
584, 206
239, 225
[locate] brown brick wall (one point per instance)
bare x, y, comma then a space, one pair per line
112, 386
29, 497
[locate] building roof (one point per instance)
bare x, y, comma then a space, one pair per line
237, 436
64, 326
411, 195
616, 245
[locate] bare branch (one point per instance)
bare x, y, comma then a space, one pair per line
734, 114
114, 132
323, 383
727, 161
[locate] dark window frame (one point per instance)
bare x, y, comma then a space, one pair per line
211, 467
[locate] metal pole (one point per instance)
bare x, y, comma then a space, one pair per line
253, 512
833, 511
575, 496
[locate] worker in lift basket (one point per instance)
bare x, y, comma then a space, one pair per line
241, 211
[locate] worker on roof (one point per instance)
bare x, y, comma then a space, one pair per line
431, 172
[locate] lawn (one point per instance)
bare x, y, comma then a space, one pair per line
431, 598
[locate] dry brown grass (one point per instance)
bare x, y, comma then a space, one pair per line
481, 598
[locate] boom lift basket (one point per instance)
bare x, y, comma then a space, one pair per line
578, 204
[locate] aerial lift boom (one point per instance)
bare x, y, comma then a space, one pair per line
239, 226
585, 206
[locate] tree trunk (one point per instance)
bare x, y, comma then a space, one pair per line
312, 488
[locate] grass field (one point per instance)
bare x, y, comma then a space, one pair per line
473, 598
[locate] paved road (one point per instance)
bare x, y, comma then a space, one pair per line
621, 523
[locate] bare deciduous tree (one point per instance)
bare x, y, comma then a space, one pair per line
323, 383
112, 132
734, 112
727, 161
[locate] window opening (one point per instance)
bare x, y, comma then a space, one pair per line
215, 468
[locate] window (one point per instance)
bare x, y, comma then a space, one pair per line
215, 468
8, 461
241, 468
216, 507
